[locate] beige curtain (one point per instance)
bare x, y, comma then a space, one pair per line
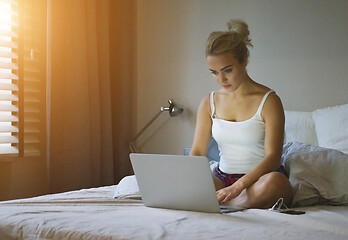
90, 97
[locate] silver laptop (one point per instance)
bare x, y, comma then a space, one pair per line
177, 182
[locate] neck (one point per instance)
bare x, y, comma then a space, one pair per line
243, 88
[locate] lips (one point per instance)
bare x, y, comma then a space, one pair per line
226, 86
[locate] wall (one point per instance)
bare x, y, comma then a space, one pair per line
299, 50
24, 177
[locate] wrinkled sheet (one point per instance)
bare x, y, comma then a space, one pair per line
94, 214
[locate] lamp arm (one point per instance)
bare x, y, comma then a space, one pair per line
131, 143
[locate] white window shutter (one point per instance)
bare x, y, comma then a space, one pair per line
8, 80
22, 77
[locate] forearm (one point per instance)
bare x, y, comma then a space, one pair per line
197, 152
268, 164
200, 143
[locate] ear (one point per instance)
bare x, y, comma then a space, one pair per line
245, 62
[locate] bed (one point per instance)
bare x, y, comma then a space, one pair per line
315, 155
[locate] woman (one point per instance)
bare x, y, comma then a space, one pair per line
247, 121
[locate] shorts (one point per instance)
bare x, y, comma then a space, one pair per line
229, 179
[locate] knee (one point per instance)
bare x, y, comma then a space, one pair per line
275, 185
273, 181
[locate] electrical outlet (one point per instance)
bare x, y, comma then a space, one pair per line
187, 151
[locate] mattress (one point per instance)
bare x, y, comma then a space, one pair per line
94, 214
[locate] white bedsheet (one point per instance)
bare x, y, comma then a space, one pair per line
94, 214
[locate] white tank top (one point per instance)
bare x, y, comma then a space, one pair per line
241, 144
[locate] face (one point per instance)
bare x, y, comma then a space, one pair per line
228, 72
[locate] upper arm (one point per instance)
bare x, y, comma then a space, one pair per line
202, 133
273, 115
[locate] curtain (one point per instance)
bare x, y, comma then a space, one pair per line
90, 97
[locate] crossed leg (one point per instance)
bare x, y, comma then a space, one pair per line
263, 193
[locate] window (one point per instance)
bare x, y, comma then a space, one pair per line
8, 80
22, 78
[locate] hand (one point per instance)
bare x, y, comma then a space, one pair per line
228, 193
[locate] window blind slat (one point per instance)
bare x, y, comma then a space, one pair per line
31, 129
8, 76
9, 65
32, 69
31, 119
32, 80
8, 44
8, 54
31, 91
8, 118
31, 140
8, 97
12, 22
32, 99
8, 139
8, 33
31, 108
31, 150
8, 150
5, 1
7, 107
8, 129
8, 86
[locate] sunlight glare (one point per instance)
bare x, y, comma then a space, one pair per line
5, 29
5, 16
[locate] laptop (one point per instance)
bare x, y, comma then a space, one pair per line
177, 182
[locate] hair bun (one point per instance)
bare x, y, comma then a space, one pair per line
235, 41
241, 28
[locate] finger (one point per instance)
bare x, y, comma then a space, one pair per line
226, 199
220, 192
221, 201
220, 195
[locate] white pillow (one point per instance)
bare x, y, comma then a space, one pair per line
331, 125
299, 127
127, 188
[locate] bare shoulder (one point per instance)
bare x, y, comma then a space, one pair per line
273, 100
204, 106
273, 107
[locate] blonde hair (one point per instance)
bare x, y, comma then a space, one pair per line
235, 41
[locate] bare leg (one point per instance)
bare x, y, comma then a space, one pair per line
265, 192
217, 183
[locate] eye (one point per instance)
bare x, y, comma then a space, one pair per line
213, 72
228, 70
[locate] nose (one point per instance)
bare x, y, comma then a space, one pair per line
222, 77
